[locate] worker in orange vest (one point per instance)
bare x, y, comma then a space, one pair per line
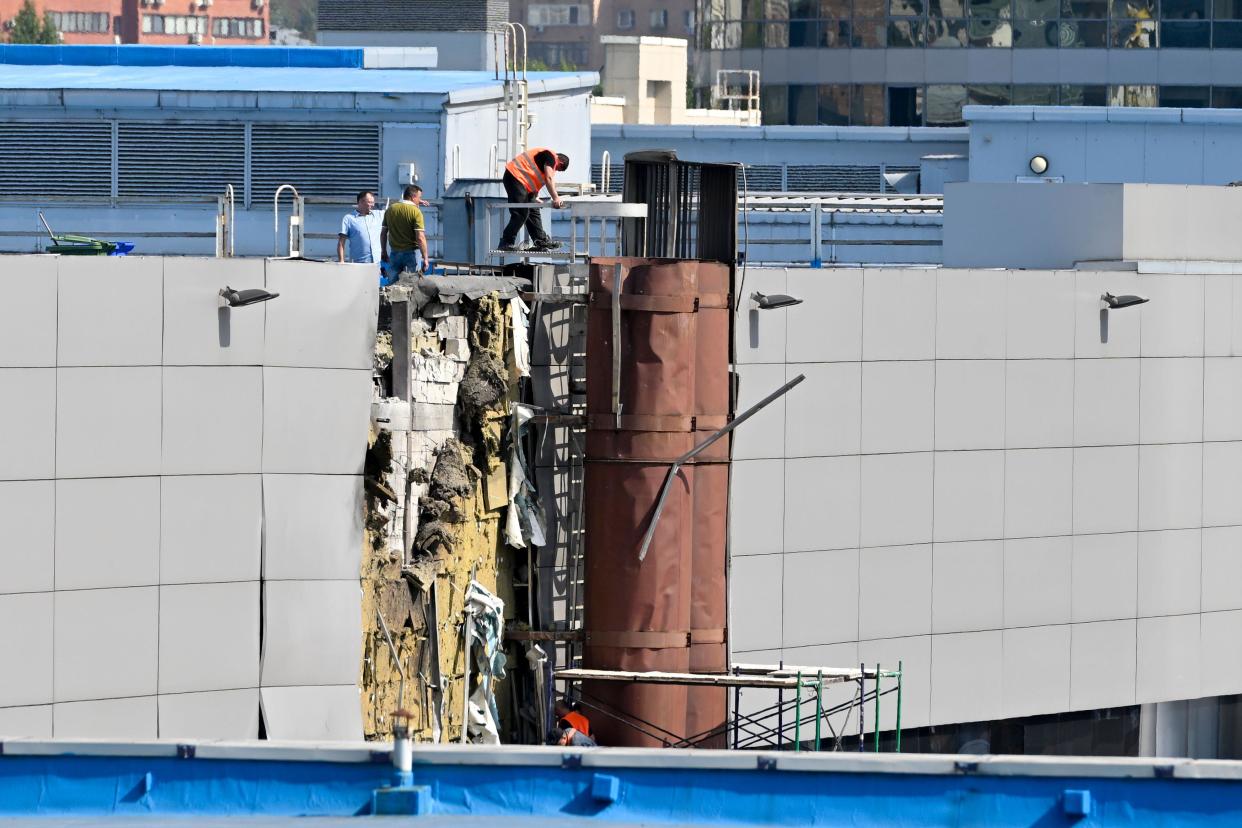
525, 176
569, 717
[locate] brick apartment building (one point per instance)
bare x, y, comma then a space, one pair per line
156, 22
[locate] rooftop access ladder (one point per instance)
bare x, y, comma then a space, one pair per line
513, 113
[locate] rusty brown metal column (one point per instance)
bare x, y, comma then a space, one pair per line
707, 707
666, 612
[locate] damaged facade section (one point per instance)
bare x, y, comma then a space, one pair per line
437, 571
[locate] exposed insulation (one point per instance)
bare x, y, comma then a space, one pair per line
447, 470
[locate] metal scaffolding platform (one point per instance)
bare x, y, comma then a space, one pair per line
771, 726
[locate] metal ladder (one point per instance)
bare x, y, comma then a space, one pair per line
513, 112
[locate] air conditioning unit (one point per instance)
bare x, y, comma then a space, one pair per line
157, 2
202, 4
196, 38
258, 4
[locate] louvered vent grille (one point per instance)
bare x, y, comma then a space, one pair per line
761, 178
55, 159
174, 159
616, 177
834, 179
331, 160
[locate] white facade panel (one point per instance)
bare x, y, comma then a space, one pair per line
1036, 670
28, 525
896, 499
28, 313
110, 312
130, 718
197, 546
105, 643
197, 331
314, 714
26, 657
893, 598
1102, 664
969, 495
209, 637
970, 404
108, 421
756, 588
107, 532
26, 722
822, 499
1168, 658
970, 322
823, 415
27, 423
224, 714
130, 601
312, 526
310, 632
763, 435
756, 495
898, 314
1104, 577
1222, 398
827, 326
1039, 403
967, 677
315, 420
898, 406
1171, 400
326, 302
1037, 512
1039, 492
1039, 315
1106, 402
809, 617
1037, 581
968, 586
213, 420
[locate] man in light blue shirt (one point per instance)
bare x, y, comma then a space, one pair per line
361, 230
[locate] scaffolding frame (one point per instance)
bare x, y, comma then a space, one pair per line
767, 727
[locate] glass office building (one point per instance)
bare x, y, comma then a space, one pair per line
918, 62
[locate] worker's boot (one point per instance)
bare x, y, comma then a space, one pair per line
547, 245
511, 247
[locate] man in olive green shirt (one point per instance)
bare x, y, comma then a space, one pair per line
404, 227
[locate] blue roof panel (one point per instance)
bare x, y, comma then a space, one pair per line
264, 79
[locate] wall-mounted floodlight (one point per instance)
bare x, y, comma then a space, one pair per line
241, 298
776, 300
1110, 302
1039, 164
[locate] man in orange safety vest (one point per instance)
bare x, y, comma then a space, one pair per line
525, 176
